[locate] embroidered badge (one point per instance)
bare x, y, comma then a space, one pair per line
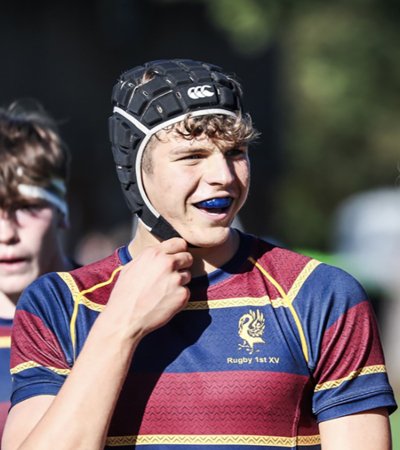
251, 330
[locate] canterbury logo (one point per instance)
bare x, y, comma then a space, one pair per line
200, 92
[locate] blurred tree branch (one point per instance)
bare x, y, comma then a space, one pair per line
340, 78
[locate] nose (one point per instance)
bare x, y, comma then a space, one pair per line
8, 228
220, 170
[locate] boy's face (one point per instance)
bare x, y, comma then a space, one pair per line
186, 172
28, 244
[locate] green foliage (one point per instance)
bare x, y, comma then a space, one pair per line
341, 75
250, 24
340, 79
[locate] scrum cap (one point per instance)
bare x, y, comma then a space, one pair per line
176, 88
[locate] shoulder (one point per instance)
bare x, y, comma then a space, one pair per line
276, 257
96, 272
56, 289
280, 265
289, 264
303, 280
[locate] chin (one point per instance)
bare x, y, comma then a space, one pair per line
25, 280
14, 290
208, 238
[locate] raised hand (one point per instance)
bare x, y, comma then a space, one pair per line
151, 289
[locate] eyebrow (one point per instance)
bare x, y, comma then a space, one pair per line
27, 201
182, 148
188, 149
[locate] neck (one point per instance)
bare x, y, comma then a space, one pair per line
205, 259
7, 306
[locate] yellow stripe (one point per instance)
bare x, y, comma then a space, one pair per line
166, 439
5, 342
288, 298
103, 283
32, 364
301, 278
369, 370
79, 298
228, 303
269, 278
301, 332
293, 291
70, 282
72, 286
91, 305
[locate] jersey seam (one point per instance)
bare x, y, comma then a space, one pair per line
288, 297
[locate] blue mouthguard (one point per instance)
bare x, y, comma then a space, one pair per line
215, 203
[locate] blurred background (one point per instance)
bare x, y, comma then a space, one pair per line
322, 82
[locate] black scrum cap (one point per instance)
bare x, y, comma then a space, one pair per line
176, 88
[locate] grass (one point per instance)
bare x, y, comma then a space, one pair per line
395, 422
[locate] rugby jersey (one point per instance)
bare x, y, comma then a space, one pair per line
269, 345
5, 378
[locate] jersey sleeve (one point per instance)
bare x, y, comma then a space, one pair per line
346, 357
41, 351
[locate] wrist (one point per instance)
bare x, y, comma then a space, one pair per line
114, 330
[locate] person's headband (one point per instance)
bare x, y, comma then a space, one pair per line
54, 193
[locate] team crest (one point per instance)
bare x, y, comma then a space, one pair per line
251, 330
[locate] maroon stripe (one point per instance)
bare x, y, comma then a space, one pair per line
353, 340
248, 403
35, 343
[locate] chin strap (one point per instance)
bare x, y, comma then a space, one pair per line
157, 225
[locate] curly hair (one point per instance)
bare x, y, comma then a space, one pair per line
234, 130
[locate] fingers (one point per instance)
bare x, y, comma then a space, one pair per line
161, 273
186, 276
182, 261
177, 247
174, 245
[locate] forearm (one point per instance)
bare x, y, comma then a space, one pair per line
79, 416
85, 404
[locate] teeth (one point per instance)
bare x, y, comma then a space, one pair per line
215, 203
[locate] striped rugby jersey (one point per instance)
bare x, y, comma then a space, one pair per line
5, 378
268, 346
